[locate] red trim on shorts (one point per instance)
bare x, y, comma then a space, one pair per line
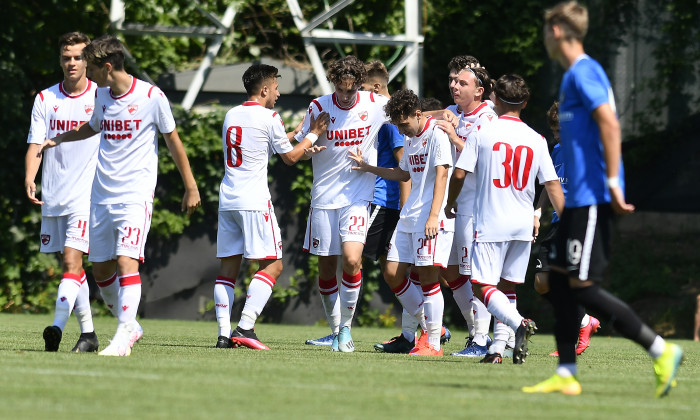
403, 287
328, 287
431, 289
272, 227
461, 281
308, 244
352, 281
142, 254
129, 279
107, 282
490, 290
265, 278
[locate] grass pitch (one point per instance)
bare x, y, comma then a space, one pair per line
176, 373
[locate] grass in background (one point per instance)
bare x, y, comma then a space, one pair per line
175, 373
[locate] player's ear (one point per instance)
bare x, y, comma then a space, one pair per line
480, 91
377, 86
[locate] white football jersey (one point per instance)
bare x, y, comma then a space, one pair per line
421, 154
67, 169
506, 156
127, 164
468, 123
251, 134
335, 184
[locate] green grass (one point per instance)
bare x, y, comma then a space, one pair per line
175, 373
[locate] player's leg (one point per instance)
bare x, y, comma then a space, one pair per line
230, 244
409, 297
103, 237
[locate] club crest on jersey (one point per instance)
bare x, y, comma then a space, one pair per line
315, 242
267, 216
132, 109
55, 108
89, 109
279, 244
363, 115
45, 239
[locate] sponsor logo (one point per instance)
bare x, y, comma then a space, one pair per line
132, 109
45, 239
55, 108
315, 242
333, 119
221, 305
267, 216
363, 115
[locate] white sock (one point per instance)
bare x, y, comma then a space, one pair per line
463, 295
513, 299
109, 289
409, 325
566, 370
349, 294
497, 303
434, 306
65, 298
482, 321
657, 347
585, 320
331, 305
223, 299
82, 309
129, 297
259, 292
412, 301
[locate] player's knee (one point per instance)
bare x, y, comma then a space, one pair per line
541, 283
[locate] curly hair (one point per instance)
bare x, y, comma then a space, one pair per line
512, 91
348, 67
462, 62
402, 104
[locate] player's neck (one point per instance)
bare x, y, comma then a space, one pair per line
120, 83
570, 52
469, 107
75, 87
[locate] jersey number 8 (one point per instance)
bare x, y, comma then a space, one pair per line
234, 144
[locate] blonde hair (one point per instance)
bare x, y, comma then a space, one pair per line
570, 17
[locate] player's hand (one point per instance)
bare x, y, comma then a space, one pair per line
47, 144
536, 228
447, 127
313, 150
299, 126
450, 117
359, 160
451, 210
432, 227
319, 124
190, 201
30, 187
618, 203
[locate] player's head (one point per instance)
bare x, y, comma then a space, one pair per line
430, 104
461, 62
469, 85
404, 110
347, 75
512, 94
70, 49
377, 79
566, 22
260, 83
103, 55
553, 119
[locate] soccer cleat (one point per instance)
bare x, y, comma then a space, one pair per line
445, 335
121, 343
472, 350
323, 341
246, 338
334, 343
428, 350
52, 338
345, 343
666, 369
422, 339
398, 344
223, 342
87, 343
568, 385
526, 330
584, 335
136, 333
493, 358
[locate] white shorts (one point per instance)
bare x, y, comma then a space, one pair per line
119, 229
414, 248
72, 231
327, 229
462, 244
254, 234
492, 261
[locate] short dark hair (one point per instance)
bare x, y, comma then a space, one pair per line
376, 70
461, 62
105, 49
402, 105
431, 104
512, 91
255, 76
72, 38
348, 67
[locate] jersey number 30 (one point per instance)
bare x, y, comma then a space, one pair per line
233, 142
512, 164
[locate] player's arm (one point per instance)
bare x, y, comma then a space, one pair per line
191, 199
404, 186
32, 161
317, 126
82, 132
542, 204
394, 174
449, 129
445, 115
432, 225
456, 184
611, 138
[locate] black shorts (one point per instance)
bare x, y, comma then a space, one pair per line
382, 222
545, 247
583, 244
